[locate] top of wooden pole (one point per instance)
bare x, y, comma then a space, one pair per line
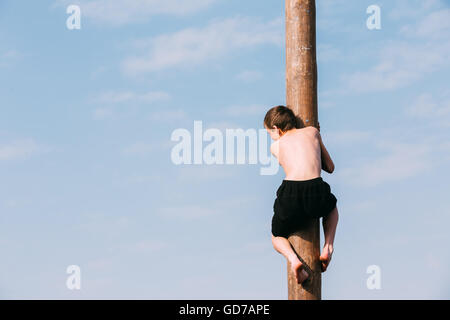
301, 65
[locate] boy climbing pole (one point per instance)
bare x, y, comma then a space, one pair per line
303, 194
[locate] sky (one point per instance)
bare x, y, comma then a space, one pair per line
86, 172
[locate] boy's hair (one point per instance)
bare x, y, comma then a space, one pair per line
282, 117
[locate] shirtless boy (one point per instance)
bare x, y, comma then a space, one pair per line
303, 194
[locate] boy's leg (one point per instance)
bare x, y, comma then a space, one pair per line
329, 228
283, 246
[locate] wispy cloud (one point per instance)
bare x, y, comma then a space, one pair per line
222, 125
249, 76
188, 212
349, 137
9, 57
19, 149
203, 174
331, 16
119, 12
424, 49
411, 9
112, 97
168, 115
139, 148
430, 108
213, 208
145, 246
400, 161
247, 110
100, 223
435, 25
401, 64
327, 53
102, 113
193, 46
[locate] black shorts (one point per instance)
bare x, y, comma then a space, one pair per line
299, 201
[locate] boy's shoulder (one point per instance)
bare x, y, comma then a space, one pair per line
311, 129
274, 148
308, 133
274, 144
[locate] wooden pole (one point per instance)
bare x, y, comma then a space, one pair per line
301, 97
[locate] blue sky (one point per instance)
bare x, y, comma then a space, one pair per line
85, 168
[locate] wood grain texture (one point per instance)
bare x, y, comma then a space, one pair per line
301, 97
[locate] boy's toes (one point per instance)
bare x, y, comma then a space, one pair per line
300, 274
303, 275
324, 262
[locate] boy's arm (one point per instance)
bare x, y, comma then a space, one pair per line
327, 163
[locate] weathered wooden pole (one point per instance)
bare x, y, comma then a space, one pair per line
301, 97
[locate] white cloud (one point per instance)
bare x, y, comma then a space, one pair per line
411, 9
139, 148
331, 16
99, 223
361, 206
202, 174
400, 64
426, 106
327, 53
188, 212
434, 109
249, 110
8, 57
102, 113
166, 115
435, 25
119, 12
213, 208
19, 149
349, 137
99, 263
145, 246
112, 97
128, 97
222, 125
11, 54
401, 161
403, 62
249, 76
98, 71
193, 46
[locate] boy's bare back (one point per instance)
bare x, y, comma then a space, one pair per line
299, 152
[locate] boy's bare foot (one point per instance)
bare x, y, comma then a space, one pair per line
325, 257
299, 270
